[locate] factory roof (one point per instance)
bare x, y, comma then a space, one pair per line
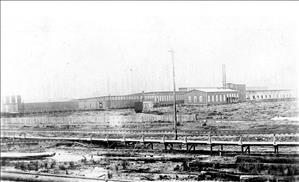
266, 90
214, 90
164, 92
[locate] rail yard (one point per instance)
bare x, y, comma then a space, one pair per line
237, 142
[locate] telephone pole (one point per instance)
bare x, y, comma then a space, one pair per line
174, 97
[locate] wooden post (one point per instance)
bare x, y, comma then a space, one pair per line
209, 139
91, 138
163, 141
107, 141
275, 144
124, 140
142, 139
152, 146
277, 149
241, 144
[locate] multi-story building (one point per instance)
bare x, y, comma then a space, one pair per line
241, 88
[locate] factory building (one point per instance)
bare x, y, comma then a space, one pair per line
11, 104
40, 107
109, 102
121, 101
259, 95
88, 104
163, 98
211, 97
241, 88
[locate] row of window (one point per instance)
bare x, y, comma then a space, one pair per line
213, 98
196, 99
12, 99
271, 96
146, 97
122, 98
221, 97
163, 97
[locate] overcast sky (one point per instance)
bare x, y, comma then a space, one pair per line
59, 50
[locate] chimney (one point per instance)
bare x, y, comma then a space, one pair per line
223, 76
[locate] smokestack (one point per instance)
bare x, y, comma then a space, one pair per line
223, 76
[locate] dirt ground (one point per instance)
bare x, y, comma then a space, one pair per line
255, 121
247, 111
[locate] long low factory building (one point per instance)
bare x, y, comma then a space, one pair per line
259, 95
211, 97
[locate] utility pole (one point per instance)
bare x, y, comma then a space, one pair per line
174, 97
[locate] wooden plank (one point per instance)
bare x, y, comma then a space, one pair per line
39, 177
22, 156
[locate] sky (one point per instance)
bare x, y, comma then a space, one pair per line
66, 50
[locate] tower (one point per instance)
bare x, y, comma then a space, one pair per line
223, 76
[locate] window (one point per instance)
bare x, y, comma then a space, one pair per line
195, 99
269, 96
200, 98
220, 98
208, 98
261, 96
224, 98
189, 99
212, 98
216, 98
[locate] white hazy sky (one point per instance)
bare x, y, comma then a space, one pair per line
59, 50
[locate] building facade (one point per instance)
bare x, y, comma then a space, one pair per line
11, 104
259, 95
241, 88
211, 97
